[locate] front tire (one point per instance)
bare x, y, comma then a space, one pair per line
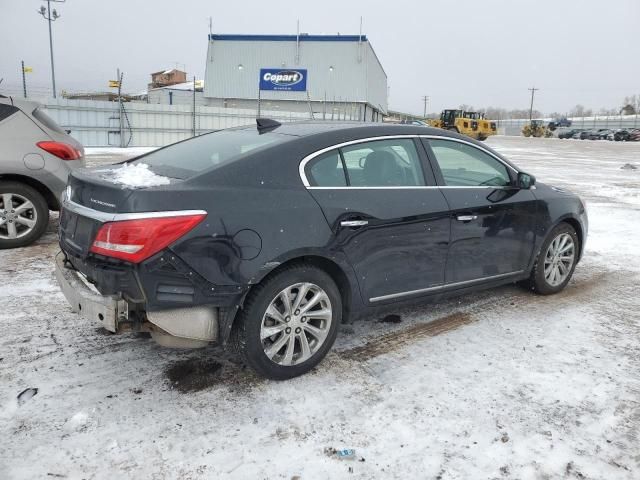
24, 215
289, 322
556, 261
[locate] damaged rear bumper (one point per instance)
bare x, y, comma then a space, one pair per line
88, 302
189, 327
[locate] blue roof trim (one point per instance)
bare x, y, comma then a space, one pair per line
290, 38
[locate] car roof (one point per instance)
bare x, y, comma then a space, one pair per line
354, 129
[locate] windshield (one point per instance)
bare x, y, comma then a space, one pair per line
190, 157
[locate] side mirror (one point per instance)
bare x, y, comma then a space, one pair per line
525, 181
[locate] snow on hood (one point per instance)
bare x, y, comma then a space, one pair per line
135, 175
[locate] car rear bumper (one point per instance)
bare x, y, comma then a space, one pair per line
190, 327
106, 309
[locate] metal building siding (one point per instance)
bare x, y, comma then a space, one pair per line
350, 81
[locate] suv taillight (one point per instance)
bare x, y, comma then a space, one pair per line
136, 240
61, 150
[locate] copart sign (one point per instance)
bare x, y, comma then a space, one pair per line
281, 79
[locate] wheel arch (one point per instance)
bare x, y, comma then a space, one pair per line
348, 289
577, 226
52, 202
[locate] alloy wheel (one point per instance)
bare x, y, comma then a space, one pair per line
558, 260
18, 216
296, 324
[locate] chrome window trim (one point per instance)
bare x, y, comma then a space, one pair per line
104, 217
442, 286
311, 156
400, 187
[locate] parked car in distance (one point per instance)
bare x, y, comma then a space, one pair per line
578, 135
270, 237
602, 134
634, 135
569, 133
621, 135
559, 122
36, 156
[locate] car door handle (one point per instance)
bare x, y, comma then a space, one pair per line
354, 223
466, 218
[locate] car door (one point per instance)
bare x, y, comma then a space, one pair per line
493, 222
389, 217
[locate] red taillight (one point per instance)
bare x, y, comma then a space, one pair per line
136, 240
61, 150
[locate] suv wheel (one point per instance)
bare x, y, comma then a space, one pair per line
289, 322
556, 261
24, 215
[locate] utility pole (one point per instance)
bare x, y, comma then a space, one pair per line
533, 92
50, 16
120, 119
194, 105
425, 99
24, 80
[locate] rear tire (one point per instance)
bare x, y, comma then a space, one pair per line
276, 335
556, 261
24, 215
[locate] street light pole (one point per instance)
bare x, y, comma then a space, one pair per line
51, 17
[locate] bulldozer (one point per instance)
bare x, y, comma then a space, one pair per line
472, 124
536, 129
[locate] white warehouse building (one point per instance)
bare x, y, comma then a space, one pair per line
333, 76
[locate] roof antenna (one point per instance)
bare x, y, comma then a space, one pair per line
266, 124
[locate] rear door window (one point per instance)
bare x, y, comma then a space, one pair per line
190, 157
383, 163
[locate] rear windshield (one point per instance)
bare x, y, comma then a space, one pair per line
46, 120
188, 158
6, 111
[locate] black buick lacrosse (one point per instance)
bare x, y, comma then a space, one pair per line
267, 238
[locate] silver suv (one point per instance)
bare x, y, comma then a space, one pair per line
36, 156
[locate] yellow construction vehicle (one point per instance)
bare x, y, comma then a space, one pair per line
472, 124
536, 128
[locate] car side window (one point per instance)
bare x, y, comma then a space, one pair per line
463, 165
326, 170
383, 163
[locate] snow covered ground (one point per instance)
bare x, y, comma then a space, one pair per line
499, 384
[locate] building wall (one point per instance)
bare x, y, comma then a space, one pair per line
342, 71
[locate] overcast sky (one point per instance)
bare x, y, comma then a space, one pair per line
482, 53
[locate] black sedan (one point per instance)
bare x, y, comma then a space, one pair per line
268, 238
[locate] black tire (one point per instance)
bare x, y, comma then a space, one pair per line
537, 281
245, 337
40, 211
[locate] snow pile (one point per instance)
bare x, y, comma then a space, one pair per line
137, 175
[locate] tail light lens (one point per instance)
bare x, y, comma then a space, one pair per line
137, 240
61, 150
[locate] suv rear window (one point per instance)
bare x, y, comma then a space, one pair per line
6, 111
46, 120
195, 155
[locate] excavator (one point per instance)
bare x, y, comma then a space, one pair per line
472, 124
